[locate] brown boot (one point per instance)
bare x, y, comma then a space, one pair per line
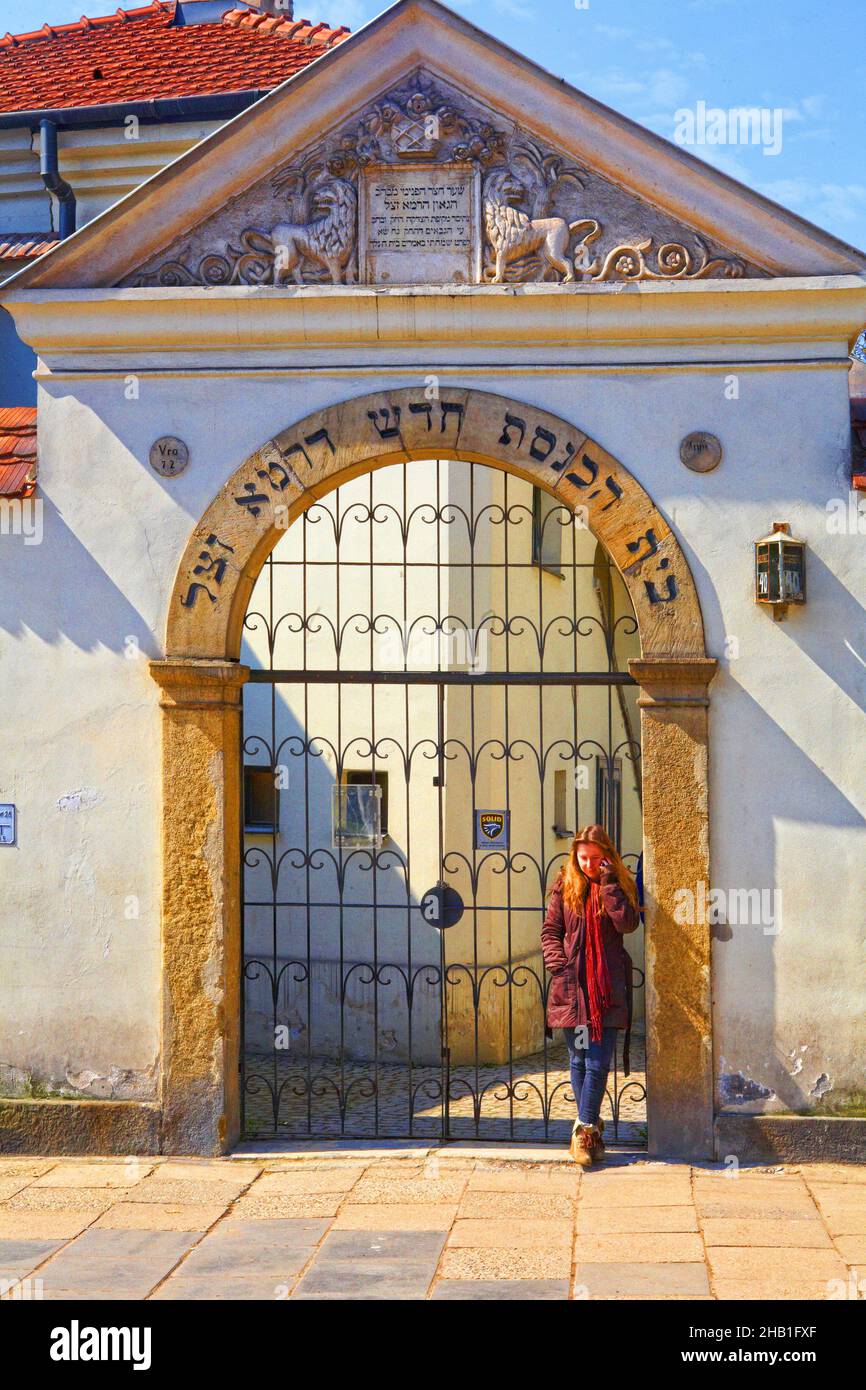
598, 1146
581, 1147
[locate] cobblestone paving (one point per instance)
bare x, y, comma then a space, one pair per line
414, 1221
484, 1103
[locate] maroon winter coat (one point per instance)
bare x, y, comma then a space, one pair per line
563, 946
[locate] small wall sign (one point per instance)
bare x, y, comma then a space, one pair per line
7, 824
701, 452
491, 828
168, 456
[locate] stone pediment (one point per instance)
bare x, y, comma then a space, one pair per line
422, 151
426, 184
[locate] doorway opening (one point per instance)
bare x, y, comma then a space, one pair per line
439, 695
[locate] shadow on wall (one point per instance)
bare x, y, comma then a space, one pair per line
776, 971
106, 620
17, 386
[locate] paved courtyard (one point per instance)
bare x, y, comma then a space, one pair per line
530, 1100
418, 1222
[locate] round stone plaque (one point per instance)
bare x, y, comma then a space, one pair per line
701, 452
168, 456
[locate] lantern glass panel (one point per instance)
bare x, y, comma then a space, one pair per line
762, 573
793, 573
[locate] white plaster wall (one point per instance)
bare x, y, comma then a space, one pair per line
787, 782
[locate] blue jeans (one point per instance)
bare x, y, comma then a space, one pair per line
589, 1068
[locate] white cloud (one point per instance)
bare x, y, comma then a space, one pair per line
821, 202
611, 31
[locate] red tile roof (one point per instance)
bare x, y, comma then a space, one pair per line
18, 451
137, 55
25, 246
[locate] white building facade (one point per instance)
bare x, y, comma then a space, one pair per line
424, 248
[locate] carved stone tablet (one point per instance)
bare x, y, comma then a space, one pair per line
420, 225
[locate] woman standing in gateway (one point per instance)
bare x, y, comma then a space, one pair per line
593, 904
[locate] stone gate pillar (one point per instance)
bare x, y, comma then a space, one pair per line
201, 914
673, 704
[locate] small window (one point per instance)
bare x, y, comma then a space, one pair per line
548, 516
608, 797
561, 809
261, 801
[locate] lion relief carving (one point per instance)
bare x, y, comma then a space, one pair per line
327, 240
513, 234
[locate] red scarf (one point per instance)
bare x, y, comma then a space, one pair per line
597, 974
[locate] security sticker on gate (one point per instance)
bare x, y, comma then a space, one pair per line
491, 828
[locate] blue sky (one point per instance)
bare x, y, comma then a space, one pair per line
651, 58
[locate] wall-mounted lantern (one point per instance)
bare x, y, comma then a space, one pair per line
780, 569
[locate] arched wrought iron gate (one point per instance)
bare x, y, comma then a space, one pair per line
430, 715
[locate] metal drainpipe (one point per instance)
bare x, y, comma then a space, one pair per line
52, 179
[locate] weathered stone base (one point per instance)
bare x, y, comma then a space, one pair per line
79, 1127
101, 1127
791, 1138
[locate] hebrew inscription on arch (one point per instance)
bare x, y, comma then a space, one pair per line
274, 485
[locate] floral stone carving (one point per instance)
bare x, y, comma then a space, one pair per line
541, 219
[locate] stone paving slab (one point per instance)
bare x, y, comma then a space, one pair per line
201, 1170
672, 1247
187, 1192
622, 1194
834, 1172
852, 1249
564, 1181
18, 1258
625, 1278
289, 1234
845, 1223
158, 1216
840, 1196
43, 1225
789, 1265
629, 1220
499, 1290
407, 1191
423, 1222
319, 1180
497, 1205
434, 1216
246, 1257
519, 1234
769, 1291
770, 1232
219, 1287
361, 1265
95, 1174
28, 1167
276, 1205
114, 1264
498, 1263
748, 1209
9, 1186
95, 1199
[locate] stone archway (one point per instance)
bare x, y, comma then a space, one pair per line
201, 680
